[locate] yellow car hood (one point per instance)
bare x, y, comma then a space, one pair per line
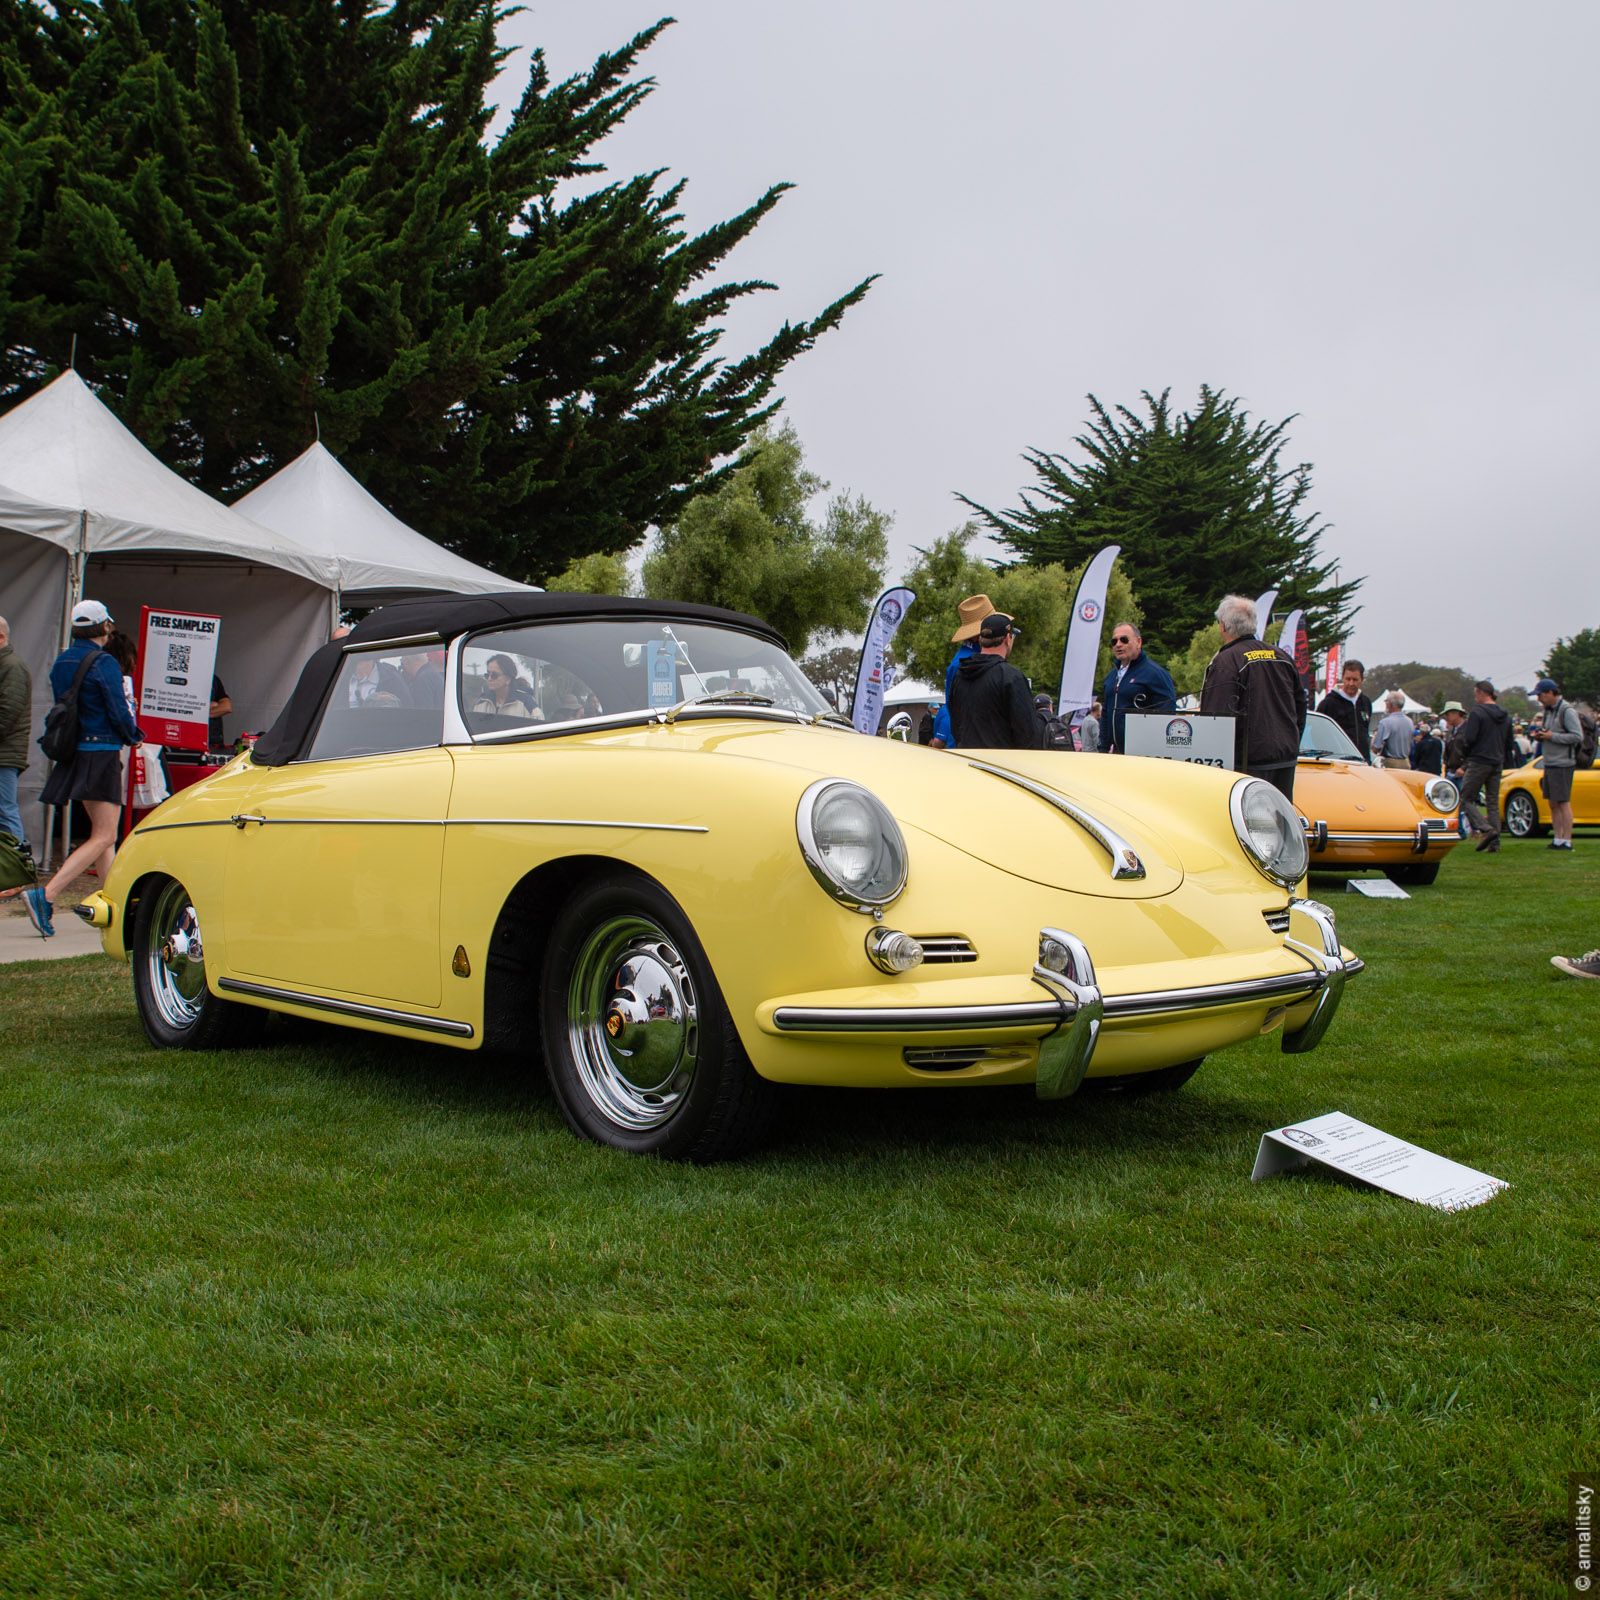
976, 812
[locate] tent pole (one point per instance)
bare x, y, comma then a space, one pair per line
75, 580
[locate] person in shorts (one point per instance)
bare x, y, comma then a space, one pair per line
1558, 739
92, 775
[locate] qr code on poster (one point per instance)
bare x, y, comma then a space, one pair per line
178, 657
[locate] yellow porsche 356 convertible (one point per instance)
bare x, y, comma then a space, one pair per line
632, 836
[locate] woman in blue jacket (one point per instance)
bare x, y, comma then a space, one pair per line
93, 775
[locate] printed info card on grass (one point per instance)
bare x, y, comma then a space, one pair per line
1373, 1156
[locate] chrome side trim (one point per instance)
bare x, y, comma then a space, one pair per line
363, 647
1125, 862
348, 1008
172, 827
574, 822
451, 822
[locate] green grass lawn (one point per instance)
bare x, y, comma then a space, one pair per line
345, 1316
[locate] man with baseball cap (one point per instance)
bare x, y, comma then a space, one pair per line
1559, 740
972, 611
991, 705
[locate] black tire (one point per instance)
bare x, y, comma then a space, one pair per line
1162, 1081
641, 1051
1413, 877
1522, 816
169, 978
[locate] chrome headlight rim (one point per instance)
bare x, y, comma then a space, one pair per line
1300, 858
805, 830
1441, 794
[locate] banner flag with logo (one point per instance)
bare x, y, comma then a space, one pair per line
1264, 605
1296, 642
1333, 672
874, 674
1083, 638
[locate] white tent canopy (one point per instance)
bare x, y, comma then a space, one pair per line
913, 692
317, 502
88, 510
1412, 708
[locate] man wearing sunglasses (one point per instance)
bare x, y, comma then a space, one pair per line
1134, 683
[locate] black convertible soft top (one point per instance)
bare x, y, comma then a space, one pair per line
447, 616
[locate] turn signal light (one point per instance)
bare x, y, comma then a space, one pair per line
890, 951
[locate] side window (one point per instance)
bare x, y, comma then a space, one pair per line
383, 700
508, 688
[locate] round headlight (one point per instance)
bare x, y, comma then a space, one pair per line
1442, 794
851, 843
1270, 830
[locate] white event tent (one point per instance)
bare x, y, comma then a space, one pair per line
317, 502
87, 510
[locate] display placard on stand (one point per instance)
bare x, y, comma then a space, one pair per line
172, 679
1180, 736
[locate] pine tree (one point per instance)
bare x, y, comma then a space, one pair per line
256, 219
1201, 506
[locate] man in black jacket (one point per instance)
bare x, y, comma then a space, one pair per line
1484, 737
1259, 686
1350, 708
991, 705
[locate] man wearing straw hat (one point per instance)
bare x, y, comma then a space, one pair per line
972, 611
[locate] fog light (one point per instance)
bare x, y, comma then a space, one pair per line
1054, 956
889, 951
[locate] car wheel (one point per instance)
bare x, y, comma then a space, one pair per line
1522, 816
640, 1049
1161, 1081
1412, 876
169, 978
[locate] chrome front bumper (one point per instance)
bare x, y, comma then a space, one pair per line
1430, 831
1076, 1009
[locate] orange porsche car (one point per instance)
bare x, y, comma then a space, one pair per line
1360, 816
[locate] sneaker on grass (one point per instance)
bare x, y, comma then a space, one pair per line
39, 913
1579, 966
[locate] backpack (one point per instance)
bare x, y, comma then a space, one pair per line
59, 740
1057, 734
1587, 727
16, 869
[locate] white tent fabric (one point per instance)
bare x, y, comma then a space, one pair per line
1412, 708
316, 501
913, 692
88, 510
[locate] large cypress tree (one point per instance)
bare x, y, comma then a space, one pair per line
1201, 505
258, 217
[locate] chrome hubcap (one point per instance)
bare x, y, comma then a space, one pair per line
175, 961
633, 1022
1519, 815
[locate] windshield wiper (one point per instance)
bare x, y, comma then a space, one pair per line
723, 697
832, 716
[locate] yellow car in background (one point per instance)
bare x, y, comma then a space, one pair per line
630, 837
1525, 810
1360, 816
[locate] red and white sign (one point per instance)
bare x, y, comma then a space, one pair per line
1332, 673
172, 678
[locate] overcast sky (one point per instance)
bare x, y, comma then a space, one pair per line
1377, 216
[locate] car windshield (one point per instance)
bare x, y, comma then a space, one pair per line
565, 672
1323, 738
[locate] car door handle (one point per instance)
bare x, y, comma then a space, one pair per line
241, 817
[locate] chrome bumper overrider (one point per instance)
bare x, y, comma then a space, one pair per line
1429, 831
1076, 1008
